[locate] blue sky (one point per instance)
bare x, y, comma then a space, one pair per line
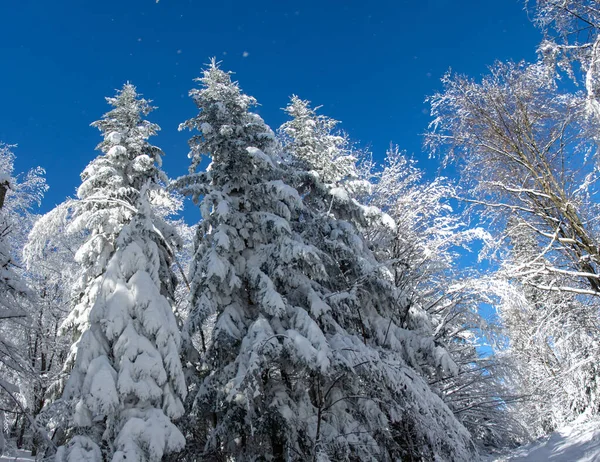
369, 64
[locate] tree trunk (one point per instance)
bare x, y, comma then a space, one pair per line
3, 189
2, 440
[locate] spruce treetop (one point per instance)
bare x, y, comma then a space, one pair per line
128, 160
225, 125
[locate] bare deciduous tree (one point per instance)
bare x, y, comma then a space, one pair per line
526, 149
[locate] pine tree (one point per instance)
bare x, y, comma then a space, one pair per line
295, 367
126, 382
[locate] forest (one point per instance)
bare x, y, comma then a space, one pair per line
327, 306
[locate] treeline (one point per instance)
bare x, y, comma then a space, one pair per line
320, 309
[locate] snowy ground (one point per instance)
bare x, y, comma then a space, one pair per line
579, 442
20, 456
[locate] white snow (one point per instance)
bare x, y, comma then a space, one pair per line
340, 193
114, 137
578, 442
18, 456
388, 221
259, 156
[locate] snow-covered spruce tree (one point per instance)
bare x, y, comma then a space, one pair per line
311, 139
243, 241
373, 383
296, 366
126, 382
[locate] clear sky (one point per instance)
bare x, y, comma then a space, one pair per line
369, 63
